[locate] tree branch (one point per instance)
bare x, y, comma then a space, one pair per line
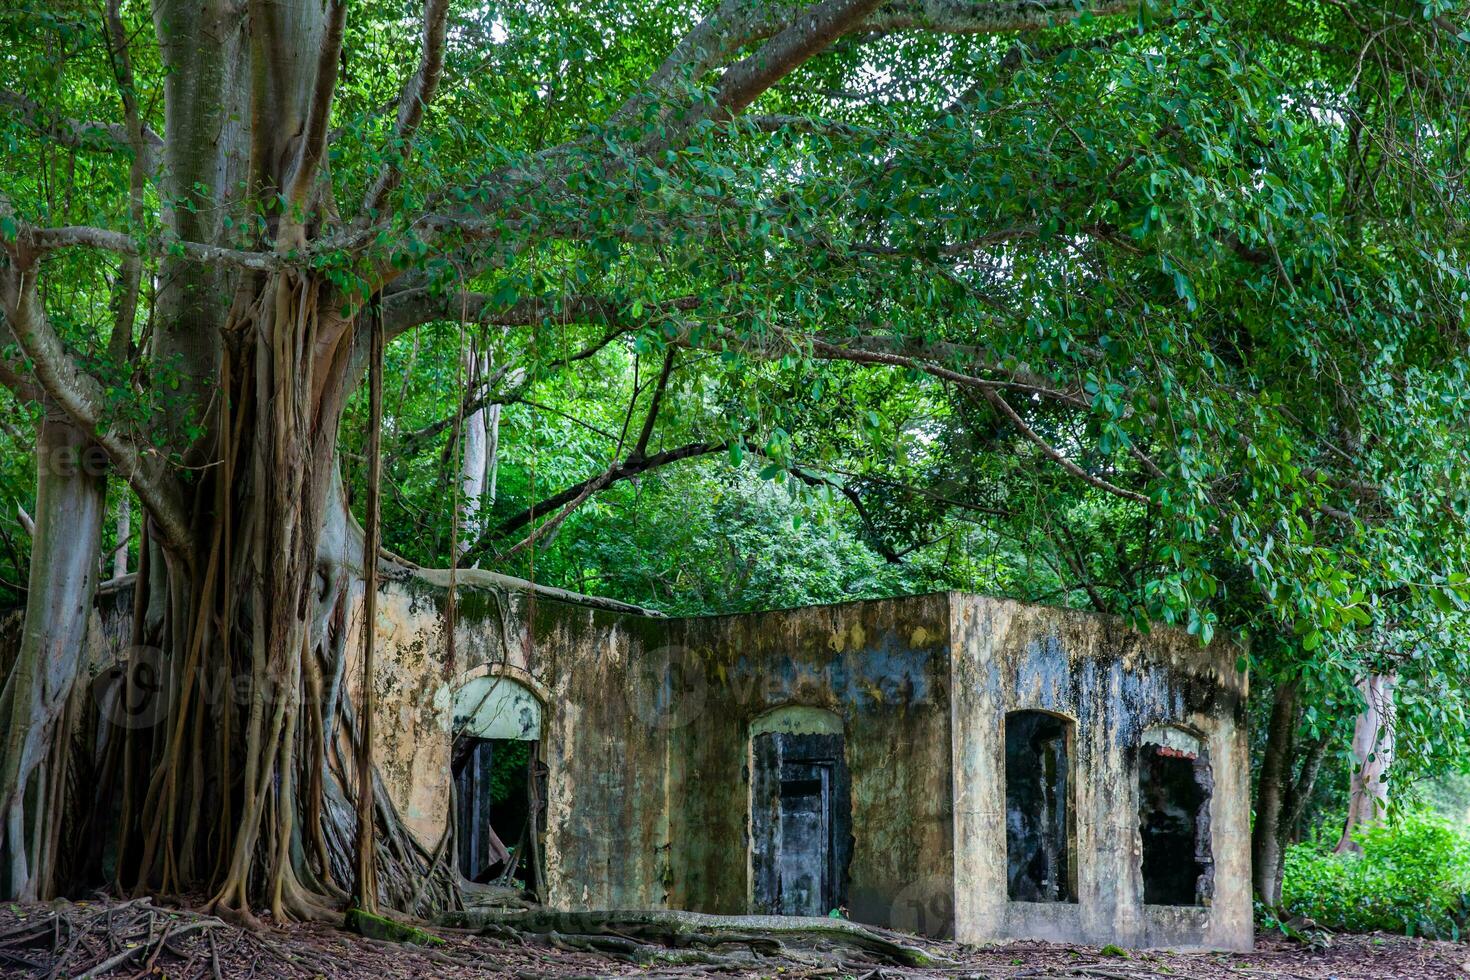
1050, 452
130, 275
493, 395
81, 397
574, 496
415, 96
985, 16
80, 134
884, 549
415, 305
314, 141
809, 34
641, 446
70, 236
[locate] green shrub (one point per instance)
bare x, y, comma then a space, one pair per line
1412, 877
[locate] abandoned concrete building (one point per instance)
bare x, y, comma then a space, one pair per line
947, 764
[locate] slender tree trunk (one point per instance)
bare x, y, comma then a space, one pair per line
1373, 748
474, 456
492, 453
70, 485
124, 532
1267, 850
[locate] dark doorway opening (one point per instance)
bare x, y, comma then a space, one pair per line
498, 792
801, 823
1174, 786
1040, 859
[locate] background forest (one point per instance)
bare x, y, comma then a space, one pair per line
1156, 309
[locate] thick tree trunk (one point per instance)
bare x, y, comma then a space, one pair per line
63, 578
232, 769
1373, 748
243, 784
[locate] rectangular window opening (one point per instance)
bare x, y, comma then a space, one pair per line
1040, 830
1174, 788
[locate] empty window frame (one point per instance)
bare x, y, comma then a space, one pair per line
1174, 789
1040, 827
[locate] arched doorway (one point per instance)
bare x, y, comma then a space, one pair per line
800, 812
499, 782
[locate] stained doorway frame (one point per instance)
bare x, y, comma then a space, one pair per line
779, 743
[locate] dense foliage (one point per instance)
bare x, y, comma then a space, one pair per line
1413, 877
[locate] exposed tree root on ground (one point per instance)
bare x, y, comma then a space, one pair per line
646, 936
135, 939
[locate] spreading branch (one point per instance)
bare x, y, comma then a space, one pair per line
71, 236
985, 16
77, 134
418, 91
81, 396
574, 496
809, 34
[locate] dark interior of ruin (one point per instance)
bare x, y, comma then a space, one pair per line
494, 793
1039, 838
801, 823
1173, 822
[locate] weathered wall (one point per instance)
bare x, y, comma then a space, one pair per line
647, 722
606, 834
646, 733
1113, 683
647, 736
882, 668
647, 729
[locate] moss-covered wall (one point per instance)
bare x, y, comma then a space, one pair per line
647, 736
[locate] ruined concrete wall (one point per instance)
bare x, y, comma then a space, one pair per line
610, 788
606, 828
647, 726
880, 667
1113, 683
647, 737
646, 734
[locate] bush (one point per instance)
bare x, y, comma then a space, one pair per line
1412, 877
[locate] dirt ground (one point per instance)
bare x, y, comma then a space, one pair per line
137, 939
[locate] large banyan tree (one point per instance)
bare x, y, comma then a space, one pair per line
1201, 262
